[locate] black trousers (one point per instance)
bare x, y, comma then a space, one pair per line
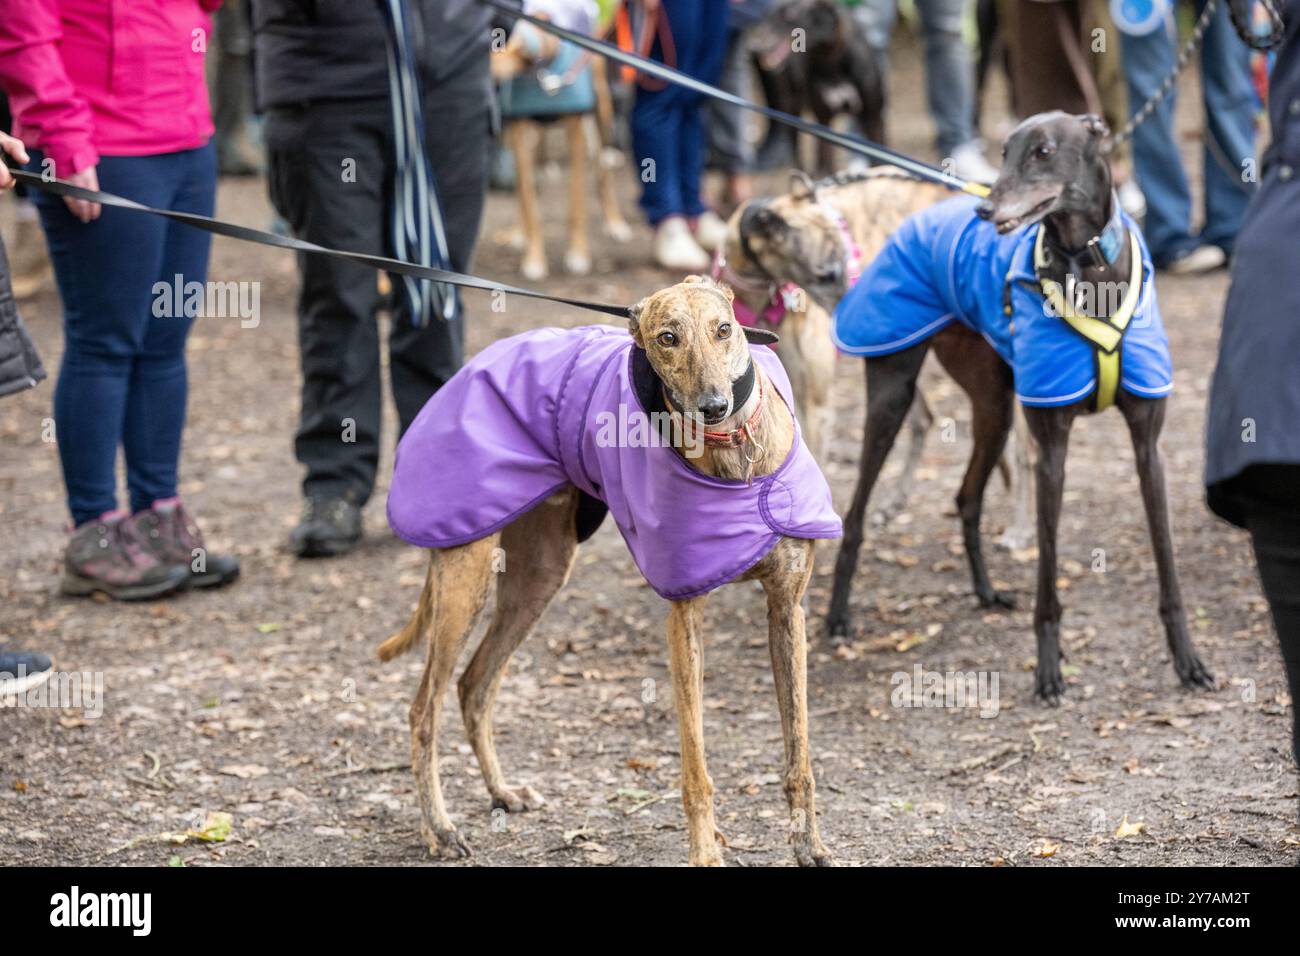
1270, 499
331, 178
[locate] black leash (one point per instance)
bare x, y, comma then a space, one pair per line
661, 71
246, 234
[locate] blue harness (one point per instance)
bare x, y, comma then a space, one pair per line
945, 265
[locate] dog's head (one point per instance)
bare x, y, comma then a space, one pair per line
695, 345
1051, 163
823, 28
796, 238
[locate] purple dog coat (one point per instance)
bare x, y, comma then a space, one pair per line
537, 412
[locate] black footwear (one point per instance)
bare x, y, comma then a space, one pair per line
330, 525
20, 672
171, 535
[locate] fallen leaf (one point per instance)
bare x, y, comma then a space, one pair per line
1127, 829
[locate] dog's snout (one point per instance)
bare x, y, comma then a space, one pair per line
985, 210
713, 407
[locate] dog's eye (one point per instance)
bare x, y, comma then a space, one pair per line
724, 330
1043, 150
666, 339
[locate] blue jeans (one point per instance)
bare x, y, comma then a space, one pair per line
122, 381
949, 70
667, 126
1229, 138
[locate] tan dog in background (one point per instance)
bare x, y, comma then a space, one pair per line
524, 137
799, 238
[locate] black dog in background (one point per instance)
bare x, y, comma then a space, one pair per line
827, 69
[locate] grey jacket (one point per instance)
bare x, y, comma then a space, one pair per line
20, 366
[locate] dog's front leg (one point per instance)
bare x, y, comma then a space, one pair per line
686, 663
1145, 418
787, 642
1051, 429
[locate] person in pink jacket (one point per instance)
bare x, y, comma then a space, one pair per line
110, 94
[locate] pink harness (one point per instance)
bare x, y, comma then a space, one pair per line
785, 297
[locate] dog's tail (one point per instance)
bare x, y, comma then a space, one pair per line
416, 627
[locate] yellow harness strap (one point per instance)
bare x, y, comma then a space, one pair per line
1106, 335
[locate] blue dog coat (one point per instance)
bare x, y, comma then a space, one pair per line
945, 264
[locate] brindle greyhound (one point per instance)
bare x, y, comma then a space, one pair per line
801, 238
1053, 171
694, 347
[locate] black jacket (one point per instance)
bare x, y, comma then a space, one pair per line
335, 49
1254, 411
20, 366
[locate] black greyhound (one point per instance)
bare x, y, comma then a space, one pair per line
833, 72
1053, 171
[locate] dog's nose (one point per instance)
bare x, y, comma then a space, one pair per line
984, 210
713, 407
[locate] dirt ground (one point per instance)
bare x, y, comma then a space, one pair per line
266, 701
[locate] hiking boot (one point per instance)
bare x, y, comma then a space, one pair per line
109, 556
21, 671
330, 525
173, 538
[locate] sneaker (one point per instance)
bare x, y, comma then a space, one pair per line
20, 672
710, 231
174, 539
968, 162
330, 525
676, 249
1197, 261
1131, 199
110, 556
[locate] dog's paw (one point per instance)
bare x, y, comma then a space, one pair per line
1048, 687
813, 855
445, 843
1194, 674
837, 628
619, 231
517, 799
1016, 539
533, 270
998, 600
577, 263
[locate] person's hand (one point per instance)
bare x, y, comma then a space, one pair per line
83, 210
15, 148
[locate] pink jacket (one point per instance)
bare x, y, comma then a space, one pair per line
117, 77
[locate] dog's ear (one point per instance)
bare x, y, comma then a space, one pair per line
1095, 125
760, 222
760, 336
634, 322
802, 186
